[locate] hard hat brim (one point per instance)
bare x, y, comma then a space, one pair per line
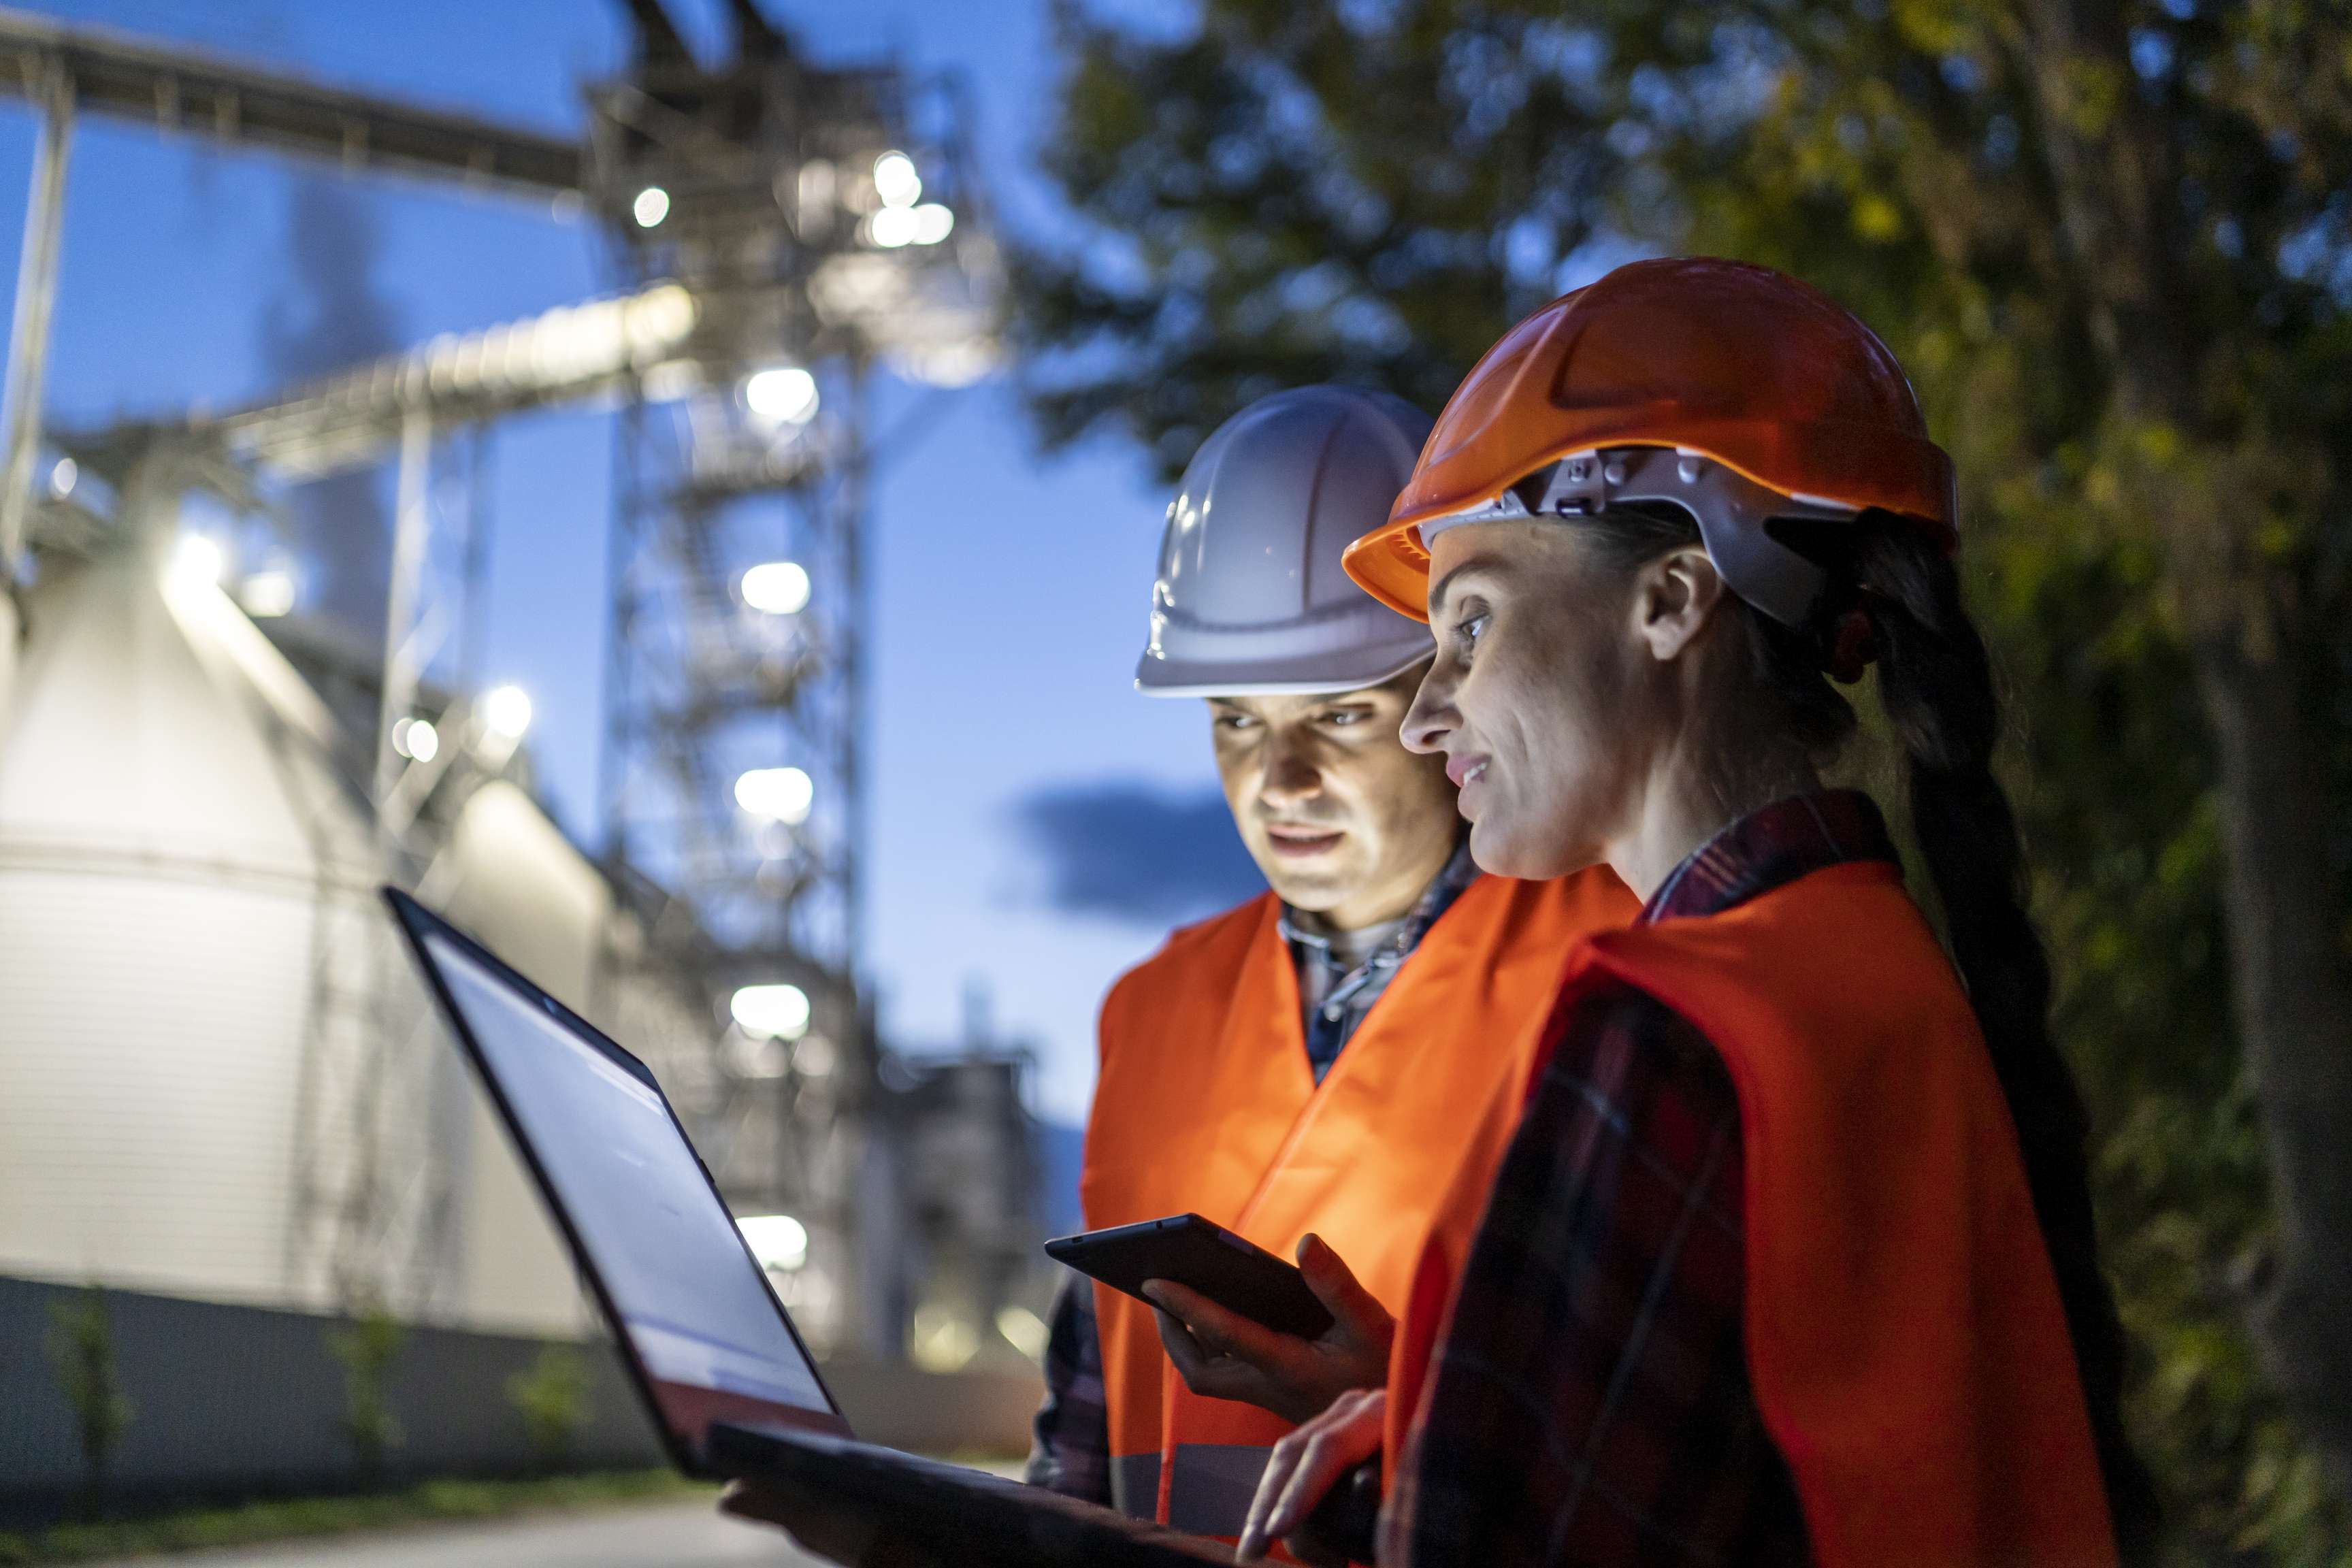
1390, 565
1351, 670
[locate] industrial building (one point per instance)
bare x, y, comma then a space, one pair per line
223, 1097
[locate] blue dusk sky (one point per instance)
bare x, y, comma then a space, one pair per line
1006, 625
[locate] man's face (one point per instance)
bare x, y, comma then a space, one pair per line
1340, 817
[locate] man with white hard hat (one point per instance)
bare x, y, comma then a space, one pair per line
1312, 1069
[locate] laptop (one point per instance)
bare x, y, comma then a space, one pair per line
731, 1388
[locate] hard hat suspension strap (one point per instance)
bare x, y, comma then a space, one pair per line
1734, 515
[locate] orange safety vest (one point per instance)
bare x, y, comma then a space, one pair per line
1206, 1102
1906, 1342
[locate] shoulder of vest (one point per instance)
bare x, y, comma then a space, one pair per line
1226, 935
1590, 900
1857, 913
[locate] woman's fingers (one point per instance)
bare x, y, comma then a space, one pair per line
1306, 1463
1279, 1465
1335, 1447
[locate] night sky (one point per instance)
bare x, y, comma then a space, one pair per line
1028, 805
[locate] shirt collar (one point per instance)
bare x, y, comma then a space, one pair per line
1459, 872
1770, 847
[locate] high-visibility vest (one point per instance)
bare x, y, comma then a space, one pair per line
1906, 1345
1206, 1103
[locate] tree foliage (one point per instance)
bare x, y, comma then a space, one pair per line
367, 1345
82, 1352
2112, 242
553, 1396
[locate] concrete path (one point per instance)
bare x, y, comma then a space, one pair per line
661, 1535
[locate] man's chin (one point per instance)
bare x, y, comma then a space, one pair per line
1310, 890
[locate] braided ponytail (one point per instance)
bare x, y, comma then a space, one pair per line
1935, 681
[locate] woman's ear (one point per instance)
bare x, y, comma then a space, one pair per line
1674, 597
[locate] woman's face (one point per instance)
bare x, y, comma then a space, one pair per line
1546, 697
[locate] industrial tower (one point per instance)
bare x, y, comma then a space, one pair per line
823, 221
778, 230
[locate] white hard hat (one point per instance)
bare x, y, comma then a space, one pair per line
1251, 597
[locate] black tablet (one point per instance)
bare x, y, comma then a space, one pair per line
1237, 1275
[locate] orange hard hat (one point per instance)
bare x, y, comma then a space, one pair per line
1732, 366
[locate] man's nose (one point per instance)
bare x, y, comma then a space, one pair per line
1291, 775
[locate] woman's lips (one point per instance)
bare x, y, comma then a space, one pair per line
1465, 771
1299, 842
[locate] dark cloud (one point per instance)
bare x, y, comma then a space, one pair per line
335, 311
1136, 853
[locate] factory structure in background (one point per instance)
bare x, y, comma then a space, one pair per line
223, 1084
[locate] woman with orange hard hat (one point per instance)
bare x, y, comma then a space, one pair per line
1790, 1258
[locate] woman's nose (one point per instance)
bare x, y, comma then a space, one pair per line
1432, 717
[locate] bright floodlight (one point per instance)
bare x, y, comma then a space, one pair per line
895, 182
506, 710
779, 794
777, 587
893, 226
786, 393
1025, 1330
417, 738
933, 223
770, 1012
198, 561
62, 477
942, 1340
778, 1240
651, 206
268, 594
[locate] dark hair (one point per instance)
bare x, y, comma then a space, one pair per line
1934, 682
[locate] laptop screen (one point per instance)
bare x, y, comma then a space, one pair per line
694, 1305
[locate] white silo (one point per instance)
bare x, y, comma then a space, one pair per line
155, 912
9, 630
194, 977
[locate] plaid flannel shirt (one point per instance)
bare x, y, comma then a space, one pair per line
1590, 1402
1069, 1437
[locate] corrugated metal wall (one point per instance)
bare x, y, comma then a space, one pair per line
229, 1400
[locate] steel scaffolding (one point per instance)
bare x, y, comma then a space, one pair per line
821, 219
783, 228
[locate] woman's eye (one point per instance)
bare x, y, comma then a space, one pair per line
1469, 631
1343, 716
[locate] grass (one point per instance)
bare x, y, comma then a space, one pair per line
286, 1519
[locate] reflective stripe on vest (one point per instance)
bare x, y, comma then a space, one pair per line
1206, 1103
1135, 1484
1906, 1345
1211, 1486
